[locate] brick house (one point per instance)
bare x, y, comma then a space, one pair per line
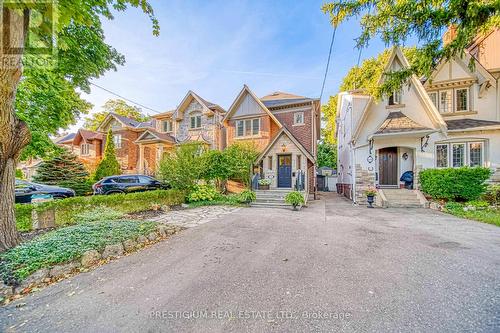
284, 128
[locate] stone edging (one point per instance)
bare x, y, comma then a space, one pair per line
89, 259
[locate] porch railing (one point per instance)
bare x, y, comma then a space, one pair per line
255, 181
300, 180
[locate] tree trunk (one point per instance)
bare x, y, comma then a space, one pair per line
14, 134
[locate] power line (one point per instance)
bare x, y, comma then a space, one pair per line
125, 98
328, 62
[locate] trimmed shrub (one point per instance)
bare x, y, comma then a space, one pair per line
492, 195
203, 193
68, 209
456, 184
246, 196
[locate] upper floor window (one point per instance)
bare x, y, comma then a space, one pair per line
395, 98
298, 118
166, 126
449, 101
445, 101
117, 139
195, 121
462, 99
84, 149
248, 127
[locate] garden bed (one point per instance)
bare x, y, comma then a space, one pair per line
490, 215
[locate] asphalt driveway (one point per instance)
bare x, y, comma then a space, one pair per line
331, 267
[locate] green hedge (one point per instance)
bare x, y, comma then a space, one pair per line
68, 209
456, 184
67, 244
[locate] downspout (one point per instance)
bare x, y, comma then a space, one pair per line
353, 172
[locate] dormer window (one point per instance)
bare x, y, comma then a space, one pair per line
395, 98
195, 121
166, 126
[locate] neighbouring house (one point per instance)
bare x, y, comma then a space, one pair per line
284, 128
194, 120
451, 119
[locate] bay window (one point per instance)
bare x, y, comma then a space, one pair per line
459, 154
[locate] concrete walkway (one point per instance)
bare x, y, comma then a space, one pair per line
328, 268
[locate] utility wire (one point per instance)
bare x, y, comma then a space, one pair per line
125, 98
328, 62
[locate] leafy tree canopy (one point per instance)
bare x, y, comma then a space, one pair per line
396, 21
327, 155
118, 106
365, 77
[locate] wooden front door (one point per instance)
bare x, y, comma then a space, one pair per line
388, 166
284, 170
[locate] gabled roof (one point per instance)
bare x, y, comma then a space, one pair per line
206, 105
126, 121
244, 91
68, 138
428, 105
284, 131
398, 122
87, 136
467, 124
152, 135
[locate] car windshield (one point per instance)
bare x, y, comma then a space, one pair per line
22, 183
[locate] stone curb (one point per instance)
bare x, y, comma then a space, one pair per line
88, 260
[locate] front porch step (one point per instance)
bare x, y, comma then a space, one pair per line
272, 198
401, 198
270, 204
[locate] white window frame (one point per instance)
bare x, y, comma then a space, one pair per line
436, 101
295, 114
397, 98
196, 124
447, 155
85, 149
469, 151
250, 130
117, 139
464, 158
450, 108
169, 126
467, 100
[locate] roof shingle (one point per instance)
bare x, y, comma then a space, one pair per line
397, 122
458, 124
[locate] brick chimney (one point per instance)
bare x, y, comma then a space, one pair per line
449, 35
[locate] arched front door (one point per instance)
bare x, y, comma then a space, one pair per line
388, 166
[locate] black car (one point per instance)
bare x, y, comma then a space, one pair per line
26, 190
126, 184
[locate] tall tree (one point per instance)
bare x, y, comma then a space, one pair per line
118, 106
327, 155
109, 165
63, 169
14, 131
365, 77
397, 21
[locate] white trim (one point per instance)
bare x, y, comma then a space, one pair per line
244, 122
464, 157
467, 100
447, 145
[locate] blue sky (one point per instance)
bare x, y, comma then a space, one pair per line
214, 47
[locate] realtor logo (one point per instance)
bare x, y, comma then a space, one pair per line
36, 21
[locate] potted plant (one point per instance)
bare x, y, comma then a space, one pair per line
295, 199
370, 194
264, 184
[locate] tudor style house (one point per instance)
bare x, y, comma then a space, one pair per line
284, 128
452, 119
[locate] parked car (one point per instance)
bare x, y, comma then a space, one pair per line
26, 190
127, 184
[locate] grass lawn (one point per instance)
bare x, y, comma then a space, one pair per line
486, 215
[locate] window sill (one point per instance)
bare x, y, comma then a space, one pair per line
395, 106
247, 137
301, 124
457, 113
